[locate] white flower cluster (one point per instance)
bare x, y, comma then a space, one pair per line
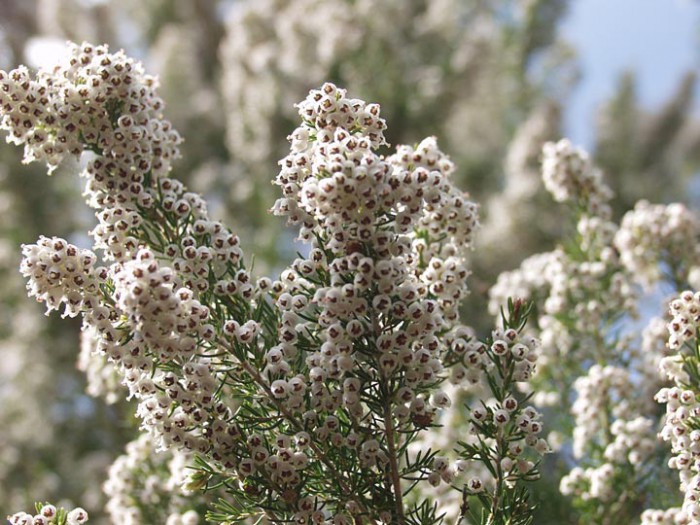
576, 296
503, 431
682, 402
673, 516
515, 356
522, 353
608, 390
49, 515
164, 323
682, 409
632, 443
60, 273
590, 483
100, 101
104, 103
332, 174
587, 291
445, 218
580, 290
167, 318
569, 176
145, 486
655, 235
685, 312
397, 224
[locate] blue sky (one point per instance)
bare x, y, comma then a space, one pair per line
657, 39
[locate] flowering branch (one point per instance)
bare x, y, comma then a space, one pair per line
298, 396
504, 427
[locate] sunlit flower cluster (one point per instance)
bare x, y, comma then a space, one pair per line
679, 429
103, 103
685, 311
60, 273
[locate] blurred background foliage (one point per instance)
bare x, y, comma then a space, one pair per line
490, 78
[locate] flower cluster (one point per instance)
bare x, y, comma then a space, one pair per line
576, 294
657, 238
569, 176
103, 103
137, 313
632, 443
394, 230
48, 514
685, 312
145, 486
606, 390
99, 101
672, 516
604, 412
680, 426
60, 273
378, 219
680, 430
590, 483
